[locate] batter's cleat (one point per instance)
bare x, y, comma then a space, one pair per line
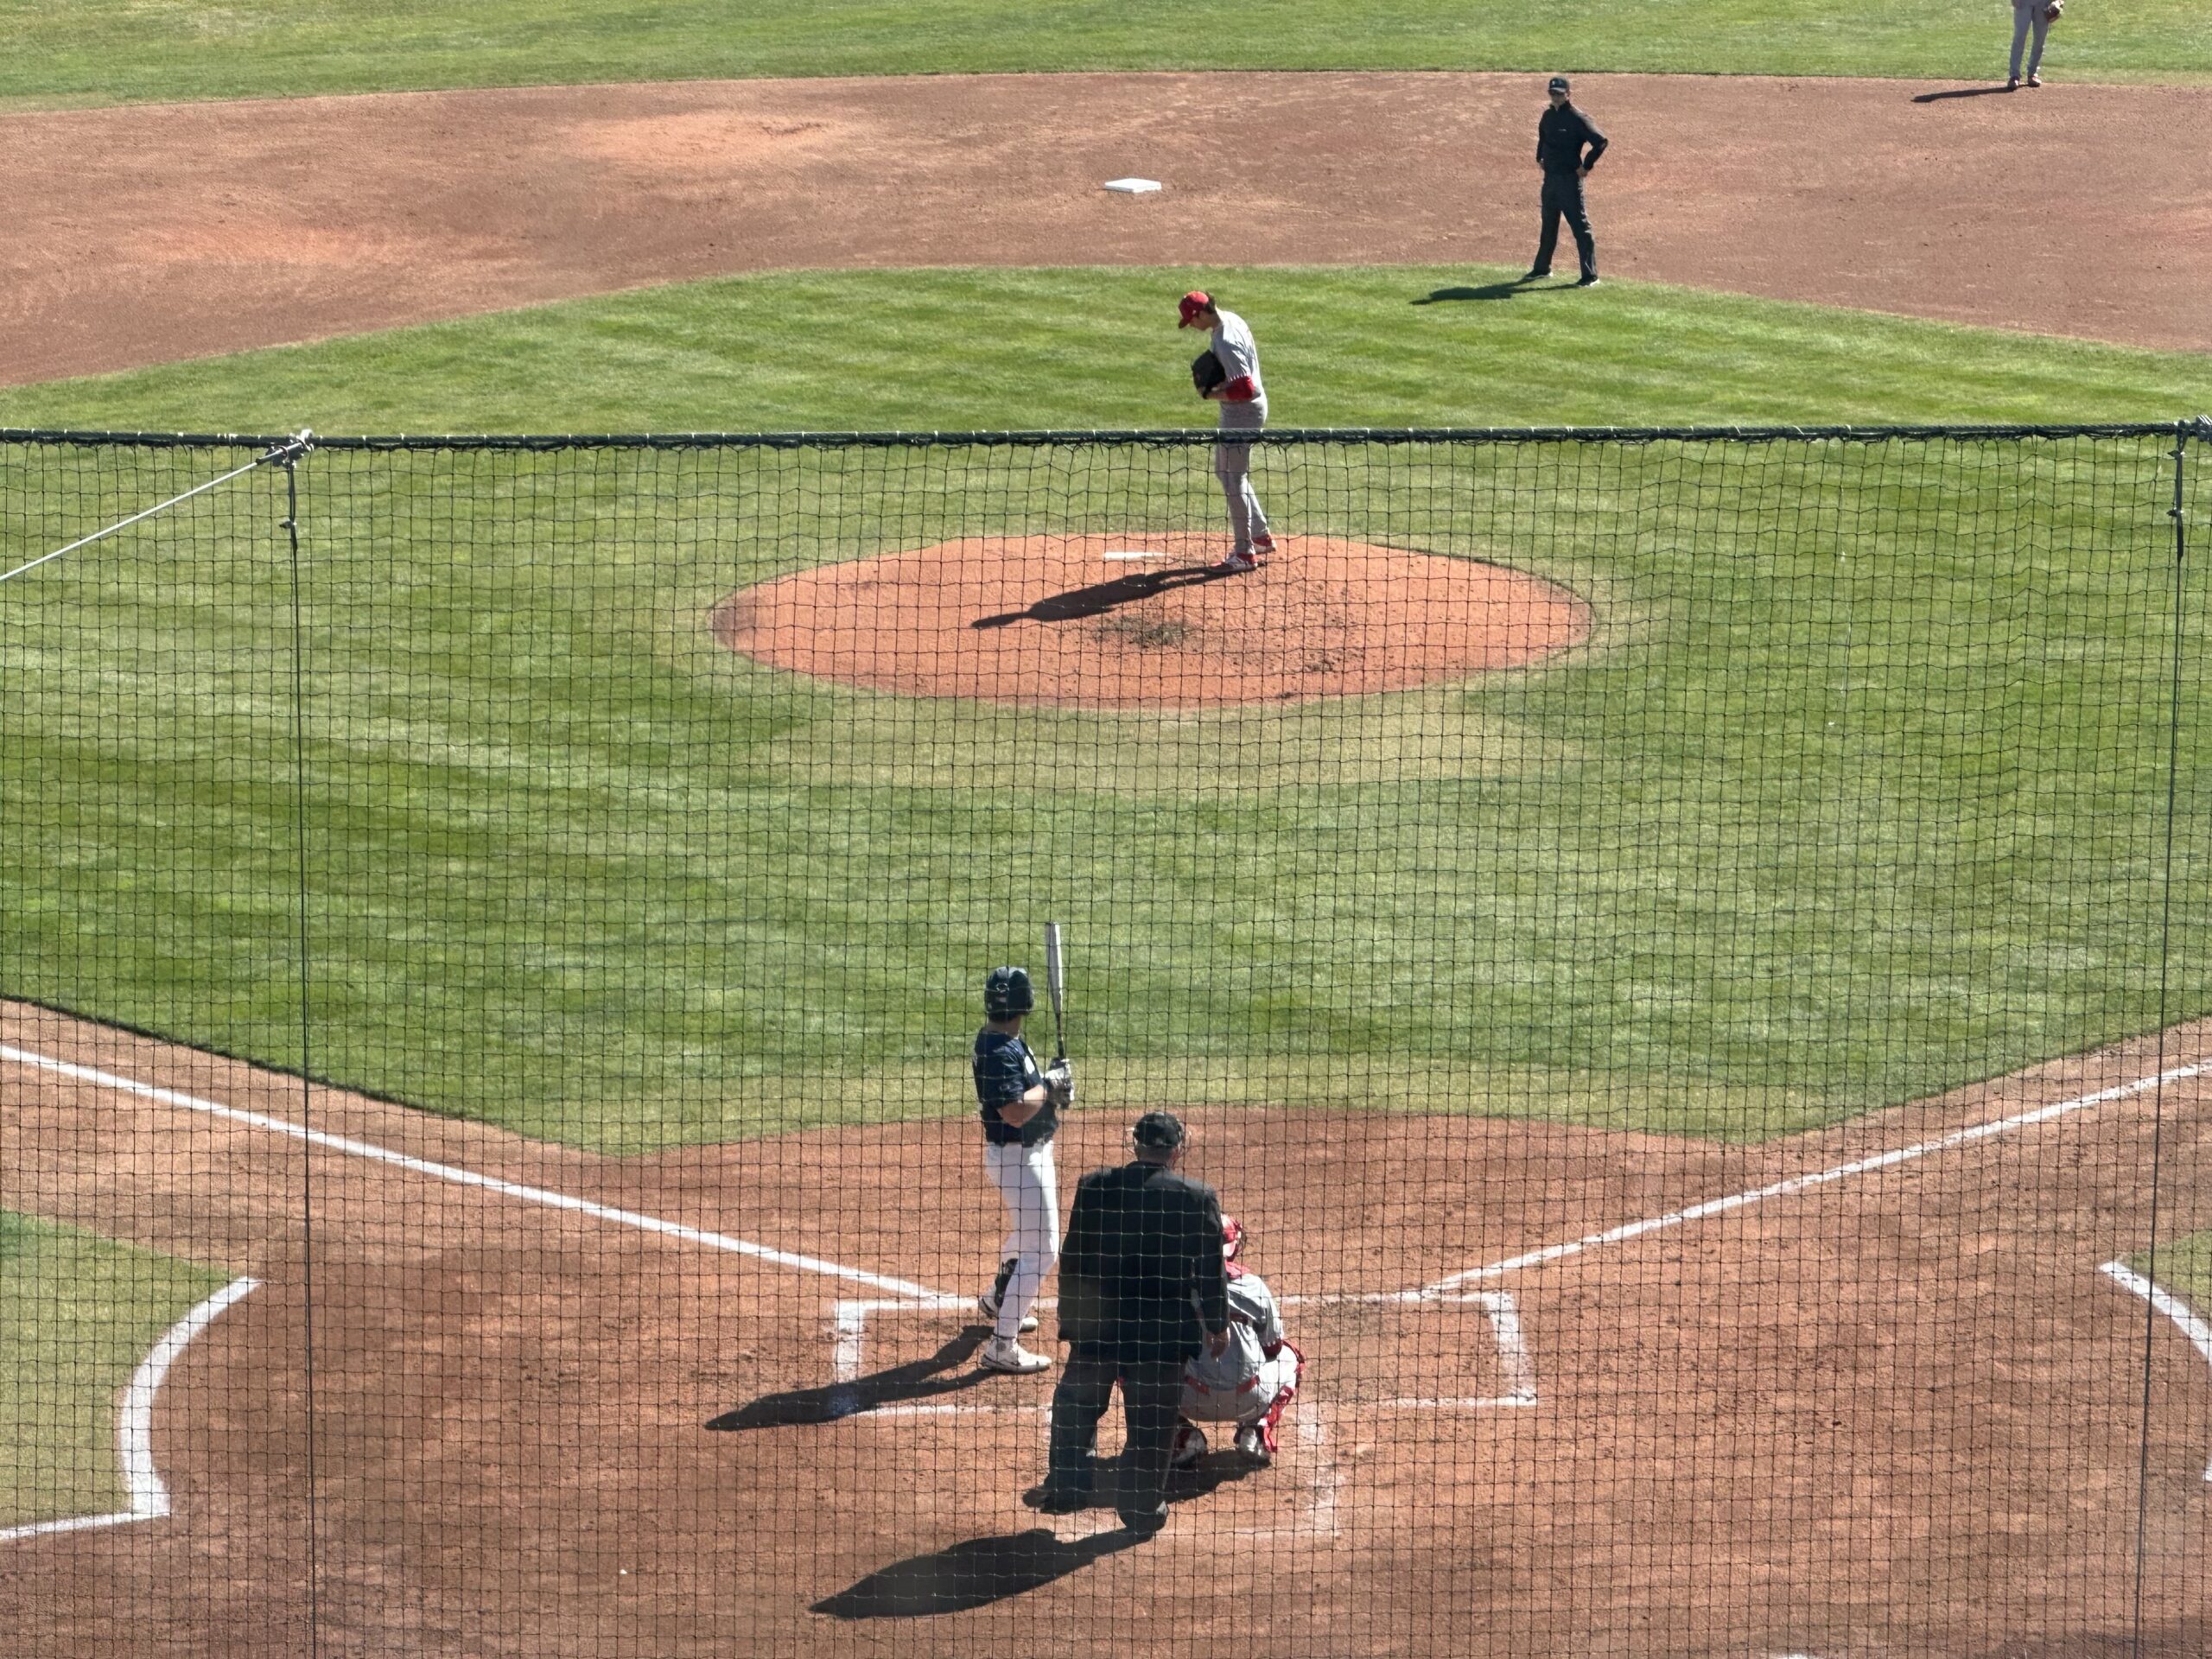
1588, 282
1235, 565
989, 1307
1048, 1499
1190, 1446
1534, 275
1012, 1359
2035, 80
2014, 85
1254, 1444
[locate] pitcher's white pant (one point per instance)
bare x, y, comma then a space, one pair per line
1029, 1184
1232, 464
1250, 1404
2029, 15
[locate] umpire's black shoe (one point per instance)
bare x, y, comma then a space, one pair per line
1048, 1499
1145, 1523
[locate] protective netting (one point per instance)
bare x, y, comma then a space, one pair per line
1683, 951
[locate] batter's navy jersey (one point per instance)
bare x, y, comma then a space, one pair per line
1005, 1072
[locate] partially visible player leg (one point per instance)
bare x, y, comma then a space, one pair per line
1279, 1380
1232, 465
1035, 1239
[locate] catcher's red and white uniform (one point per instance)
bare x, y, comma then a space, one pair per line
1252, 1384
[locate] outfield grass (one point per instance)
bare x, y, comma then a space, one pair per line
76, 1314
988, 350
127, 50
1859, 793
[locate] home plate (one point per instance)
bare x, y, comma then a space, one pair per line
1133, 186
1134, 553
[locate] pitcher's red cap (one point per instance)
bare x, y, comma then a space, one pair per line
1193, 303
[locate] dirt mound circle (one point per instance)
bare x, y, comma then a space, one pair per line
1142, 621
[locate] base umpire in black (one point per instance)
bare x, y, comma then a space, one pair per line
1561, 132
1143, 1289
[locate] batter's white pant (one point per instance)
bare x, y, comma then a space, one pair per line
1029, 1184
2028, 15
1232, 464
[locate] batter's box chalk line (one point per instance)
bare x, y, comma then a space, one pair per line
849, 1341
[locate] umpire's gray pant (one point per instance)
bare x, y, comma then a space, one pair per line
2029, 15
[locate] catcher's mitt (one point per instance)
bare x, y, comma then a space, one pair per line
1206, 371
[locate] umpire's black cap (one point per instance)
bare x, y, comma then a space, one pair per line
1158, 1132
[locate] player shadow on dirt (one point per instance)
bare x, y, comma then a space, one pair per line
1959, 92
945, 1371
1103, 597
977, 1571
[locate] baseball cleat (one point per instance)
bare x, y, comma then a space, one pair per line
1190, 1446
1588, 282
989, 1307
1535, 276
2014, 85
1254, 1444
1263, 548
1048, 1499
2035, 80
1235, 565
1012, 1359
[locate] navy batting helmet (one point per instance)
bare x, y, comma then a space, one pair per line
1006, 992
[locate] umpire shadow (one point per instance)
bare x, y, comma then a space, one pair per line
945, 1371
1959, 91
972, 1573
1102, 597
980, 1571
1487, 291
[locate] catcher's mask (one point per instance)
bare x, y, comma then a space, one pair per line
1232, 1237
1006, 992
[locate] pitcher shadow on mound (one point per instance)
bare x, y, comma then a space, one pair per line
977, 1571
1103, 597
942, 1372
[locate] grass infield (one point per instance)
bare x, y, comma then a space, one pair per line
1851, 804
1087, 348
76, 1314
2183, 1266
137, 50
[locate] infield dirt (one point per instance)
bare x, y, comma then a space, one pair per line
142, 235
1898, 1412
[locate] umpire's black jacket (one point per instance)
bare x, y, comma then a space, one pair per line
1561, 135
1141, 1274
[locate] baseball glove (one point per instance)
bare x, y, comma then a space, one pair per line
2055, 11
1206, 371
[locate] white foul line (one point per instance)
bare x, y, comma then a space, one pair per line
134, 1434
2198, 1333
1803, 1183
469, 1178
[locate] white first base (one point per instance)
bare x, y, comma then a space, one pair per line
1133, 186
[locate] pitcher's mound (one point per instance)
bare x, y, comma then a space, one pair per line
1140, 621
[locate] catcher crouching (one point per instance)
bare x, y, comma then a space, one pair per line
1253, 1382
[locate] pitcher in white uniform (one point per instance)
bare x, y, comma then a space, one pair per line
1243, 403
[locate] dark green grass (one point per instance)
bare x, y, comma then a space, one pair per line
76, 1314
990, 350
1858, 793
111, 50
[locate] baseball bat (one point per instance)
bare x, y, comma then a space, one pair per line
1056, 982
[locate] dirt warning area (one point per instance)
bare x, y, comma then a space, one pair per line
1880, 1401
146, 234
1147, 621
